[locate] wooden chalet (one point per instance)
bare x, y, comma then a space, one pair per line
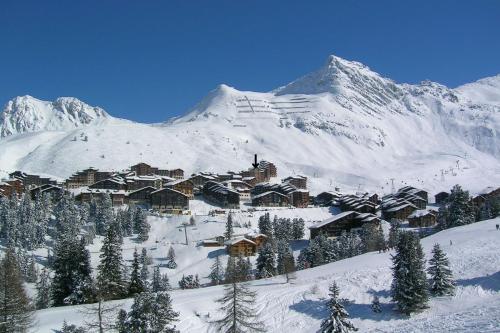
298, 181
400, 210
116, 184
441, 197
241, 246
270, 199
343, 222
118, 197
415, 191
356, 203
199, 179
12, 186
296, 197
141, 196
221, 195
55, 192
143, 169
327, 199
422, 218
258, 239
168, 199
31, 181
182, 185
139, 182
86, 177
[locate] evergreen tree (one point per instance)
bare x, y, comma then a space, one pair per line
266, 261
394, 233
265, 226
372, 237
216, 272
144, 268
229, 227
282, 229
136, 284
243, 269
43, 296
141, 225
409, 284
152, 312
458, 209
16, 314
121, 322
285, 260
189, 282
104, 215
441, 276
376, 304
337, 322
109, 277
171, 259
70, 328
238, 306
160, 281
298, 228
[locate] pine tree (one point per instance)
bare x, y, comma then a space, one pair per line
216, 272
104, 215
43, 296
373, 237
229, 227
394, 233
144, 268
121, 322
265, 226
70, 328
243, 269
16, 314
376, 304
160, 281
152, 312
109, 278
285, 261
441, 276
409, 284
141, 225
136, 284
282, 229
238, 306
338, 321
298, 228
171, 259
458, 209
266, 261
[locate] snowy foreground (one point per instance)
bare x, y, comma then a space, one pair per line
299, 306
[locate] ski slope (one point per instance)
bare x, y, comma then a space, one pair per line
299, 305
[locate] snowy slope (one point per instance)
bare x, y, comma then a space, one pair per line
343, 125
299, 306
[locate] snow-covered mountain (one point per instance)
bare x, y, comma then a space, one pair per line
342, 125
28, 114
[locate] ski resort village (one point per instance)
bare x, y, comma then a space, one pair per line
309, 194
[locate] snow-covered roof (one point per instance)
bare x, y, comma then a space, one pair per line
332, 219
177, 181
420, 213
238, 240
267, 193
169, 189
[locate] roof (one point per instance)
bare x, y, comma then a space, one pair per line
177, 181
169, 189
267, 193
239, 239
332, 219
420, 213
402, 206
143, 188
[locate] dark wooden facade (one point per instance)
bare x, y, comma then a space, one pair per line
169, 199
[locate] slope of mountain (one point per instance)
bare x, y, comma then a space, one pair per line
341, 125
27, 114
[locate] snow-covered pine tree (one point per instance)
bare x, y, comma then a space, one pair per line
104, 215
32, 270
394, 233
285, 260
121, 325
409, 284
266, 261
458, 210
282, 229
337, 321
43, 297
144, 260
171, 258
372, 237
441, 282
16, 313
376, 304
136, 284
243, 269
298, 228
228, 234
152, 312
141, 225
160, 281
265, 226
216, 272
71, 328
109, 278
238, 307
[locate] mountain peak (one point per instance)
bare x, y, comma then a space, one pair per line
29, 114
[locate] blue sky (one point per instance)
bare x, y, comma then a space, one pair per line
151, 60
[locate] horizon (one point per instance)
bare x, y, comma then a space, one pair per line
151, 63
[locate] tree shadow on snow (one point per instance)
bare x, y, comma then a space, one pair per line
491, 282
314, 309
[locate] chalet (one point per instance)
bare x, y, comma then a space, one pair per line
415, 191
327, 198
176, 173
296, 197
182, 185
215, 242
199, 179
358, 204
270, 199
118, 197
268, 168
138, 182
417, 200
143, 169
31, 181
86, 177
441, 197
298, 181
221, 195
486, 199
141, 196
343, 222
399, 211
241, 246
299, 198
422, 218
239, 186
55, 192
168, 199
252, 181
12, 186
258, 239
116, 184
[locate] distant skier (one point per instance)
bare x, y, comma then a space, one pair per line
451, 243
498, 226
